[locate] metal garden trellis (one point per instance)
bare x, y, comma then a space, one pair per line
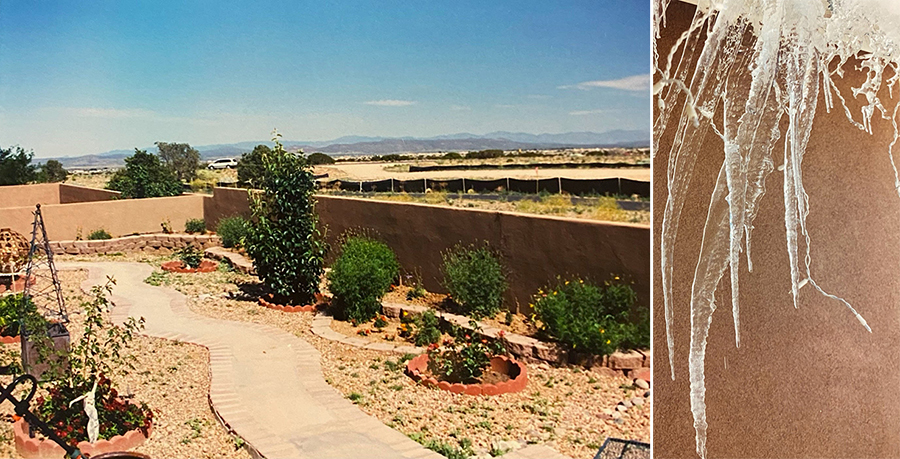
43, 289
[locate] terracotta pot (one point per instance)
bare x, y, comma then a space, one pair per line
33, 448
518, 377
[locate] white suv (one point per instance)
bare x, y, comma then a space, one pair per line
224, 163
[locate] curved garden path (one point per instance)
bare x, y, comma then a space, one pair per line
266, 384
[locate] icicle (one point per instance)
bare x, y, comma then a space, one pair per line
761, 61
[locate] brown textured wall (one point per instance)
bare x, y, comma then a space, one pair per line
225, 202
75, 193
535, 248
119, 217
28, 195
807, 382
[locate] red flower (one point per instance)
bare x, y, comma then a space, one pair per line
501, 334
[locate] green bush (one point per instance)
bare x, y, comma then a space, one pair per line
144, 176
474, 277
190, 256
427, 330
319, 158
361, 276
589, 318
232, 231
10, 307
250, 168
452, 155
195, 225
283, 239
99, 234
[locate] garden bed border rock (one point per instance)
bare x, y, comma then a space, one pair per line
141, 242
31, 448
415, 368
285, 308
531, 350
237, 261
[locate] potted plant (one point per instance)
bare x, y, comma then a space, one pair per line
81, 402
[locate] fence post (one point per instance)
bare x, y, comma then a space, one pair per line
392, 184
559, 180
464, 185
360, 186
507, 184
619, 181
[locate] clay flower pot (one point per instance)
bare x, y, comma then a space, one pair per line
177, 266
518, 377
33, 448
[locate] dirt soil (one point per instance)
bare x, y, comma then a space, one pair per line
170, 376
562, 407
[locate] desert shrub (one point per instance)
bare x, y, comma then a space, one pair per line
195, 225
144, 176
232, 231
319, 158
283, 238
10, 309
484, 154
474, 277
589, 318
190, 256
427, 330
205, 180
99, 234
464, 358
361, 276
451, 155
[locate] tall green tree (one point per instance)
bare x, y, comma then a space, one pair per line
250, 167
16, 167
284, 240
52, 171
180, 158
144, 176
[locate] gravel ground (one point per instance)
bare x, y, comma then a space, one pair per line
171, 377
560, 406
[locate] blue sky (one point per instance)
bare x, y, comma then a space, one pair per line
84, 77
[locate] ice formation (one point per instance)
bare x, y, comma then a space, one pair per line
759, 63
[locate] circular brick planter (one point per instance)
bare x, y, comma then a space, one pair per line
206, 266
32, 448
9, 339
416, 367
267, 301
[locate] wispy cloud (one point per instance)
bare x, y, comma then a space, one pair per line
632, 83
507, 105
460, 108
539, 96
390, 103
113, 113
587, 112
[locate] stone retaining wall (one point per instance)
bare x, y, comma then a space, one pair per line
142, 242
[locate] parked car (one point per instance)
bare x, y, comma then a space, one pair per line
224, 163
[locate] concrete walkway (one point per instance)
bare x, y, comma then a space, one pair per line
267, 385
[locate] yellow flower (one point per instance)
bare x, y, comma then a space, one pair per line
607, 341
617, 278
580, 281
540, 291
567, 282
602, 331
531, 304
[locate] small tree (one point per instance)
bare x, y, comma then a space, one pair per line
319, 158
16, 167
250, 168
144, 177
284, 240
52, 172
180, 158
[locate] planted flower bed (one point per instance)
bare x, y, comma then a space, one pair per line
504, 376
190, 261
122, 425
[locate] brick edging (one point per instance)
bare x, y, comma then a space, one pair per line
415, 368
143, 242
286, 308
177, 266
531, 350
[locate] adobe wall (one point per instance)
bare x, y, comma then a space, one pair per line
118, 217
535, 249
75, 193
807, 382
28, 195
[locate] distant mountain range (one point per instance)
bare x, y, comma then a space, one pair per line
359, 145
